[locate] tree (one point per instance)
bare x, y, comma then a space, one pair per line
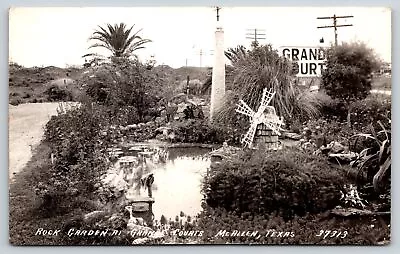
348, 73
117, 39
124, 83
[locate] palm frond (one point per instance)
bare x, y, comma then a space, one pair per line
118, 39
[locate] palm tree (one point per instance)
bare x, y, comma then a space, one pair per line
117, 39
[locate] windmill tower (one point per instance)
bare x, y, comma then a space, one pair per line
265, 125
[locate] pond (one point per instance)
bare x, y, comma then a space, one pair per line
177, 183
176, 175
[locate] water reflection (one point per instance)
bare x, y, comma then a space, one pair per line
179, 185
177, 174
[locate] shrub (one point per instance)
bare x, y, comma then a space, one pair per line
123, 82
15, 101
332, 125
54, 93
372, 109
200, 131
348, 73
288, 182
78, 141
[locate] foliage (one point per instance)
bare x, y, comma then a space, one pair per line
348, 73
374, 162
118, 40
54, 93
200, 131
372, 109
299, 230
78, 141
15, 101
288, 182
332, 126
235, 54
124, 83
260, 68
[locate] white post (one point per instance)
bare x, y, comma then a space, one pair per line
218, 74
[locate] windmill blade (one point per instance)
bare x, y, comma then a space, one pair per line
244, 109
249, 136
266, 97
273, 127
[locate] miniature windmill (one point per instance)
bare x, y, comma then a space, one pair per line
265, 117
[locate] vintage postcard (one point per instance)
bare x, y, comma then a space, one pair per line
199, 125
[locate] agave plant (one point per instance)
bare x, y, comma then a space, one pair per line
375, 161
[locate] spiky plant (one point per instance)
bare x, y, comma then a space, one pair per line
374, 163
260, 68
118, 39
234, 54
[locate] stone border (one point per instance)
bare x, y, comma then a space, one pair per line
154, 142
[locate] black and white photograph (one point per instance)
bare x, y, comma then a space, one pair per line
206, 125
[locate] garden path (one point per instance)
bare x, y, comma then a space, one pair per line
26, 127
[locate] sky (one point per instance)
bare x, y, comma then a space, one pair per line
58, 36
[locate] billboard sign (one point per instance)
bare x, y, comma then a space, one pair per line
307, 61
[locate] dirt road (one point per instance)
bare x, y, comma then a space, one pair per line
26, 126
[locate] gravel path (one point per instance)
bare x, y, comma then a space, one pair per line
26, 126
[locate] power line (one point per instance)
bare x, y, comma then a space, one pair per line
255, 35
335, 25
204, 53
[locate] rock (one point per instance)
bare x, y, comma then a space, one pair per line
291, 135
163, 113
72, 191
159, 120
133, 226
150, 123
161, 137
336, 147
131, 126
345, 212
343, 157
181, 107
93, 216
171, 136
163, 130
198, 112
117, 220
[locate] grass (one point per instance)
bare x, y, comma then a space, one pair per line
24, 219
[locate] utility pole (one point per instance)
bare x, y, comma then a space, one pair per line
335, 25
201, 56
204, 53
255, 35
217, 8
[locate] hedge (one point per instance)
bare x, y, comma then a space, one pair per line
289, 182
